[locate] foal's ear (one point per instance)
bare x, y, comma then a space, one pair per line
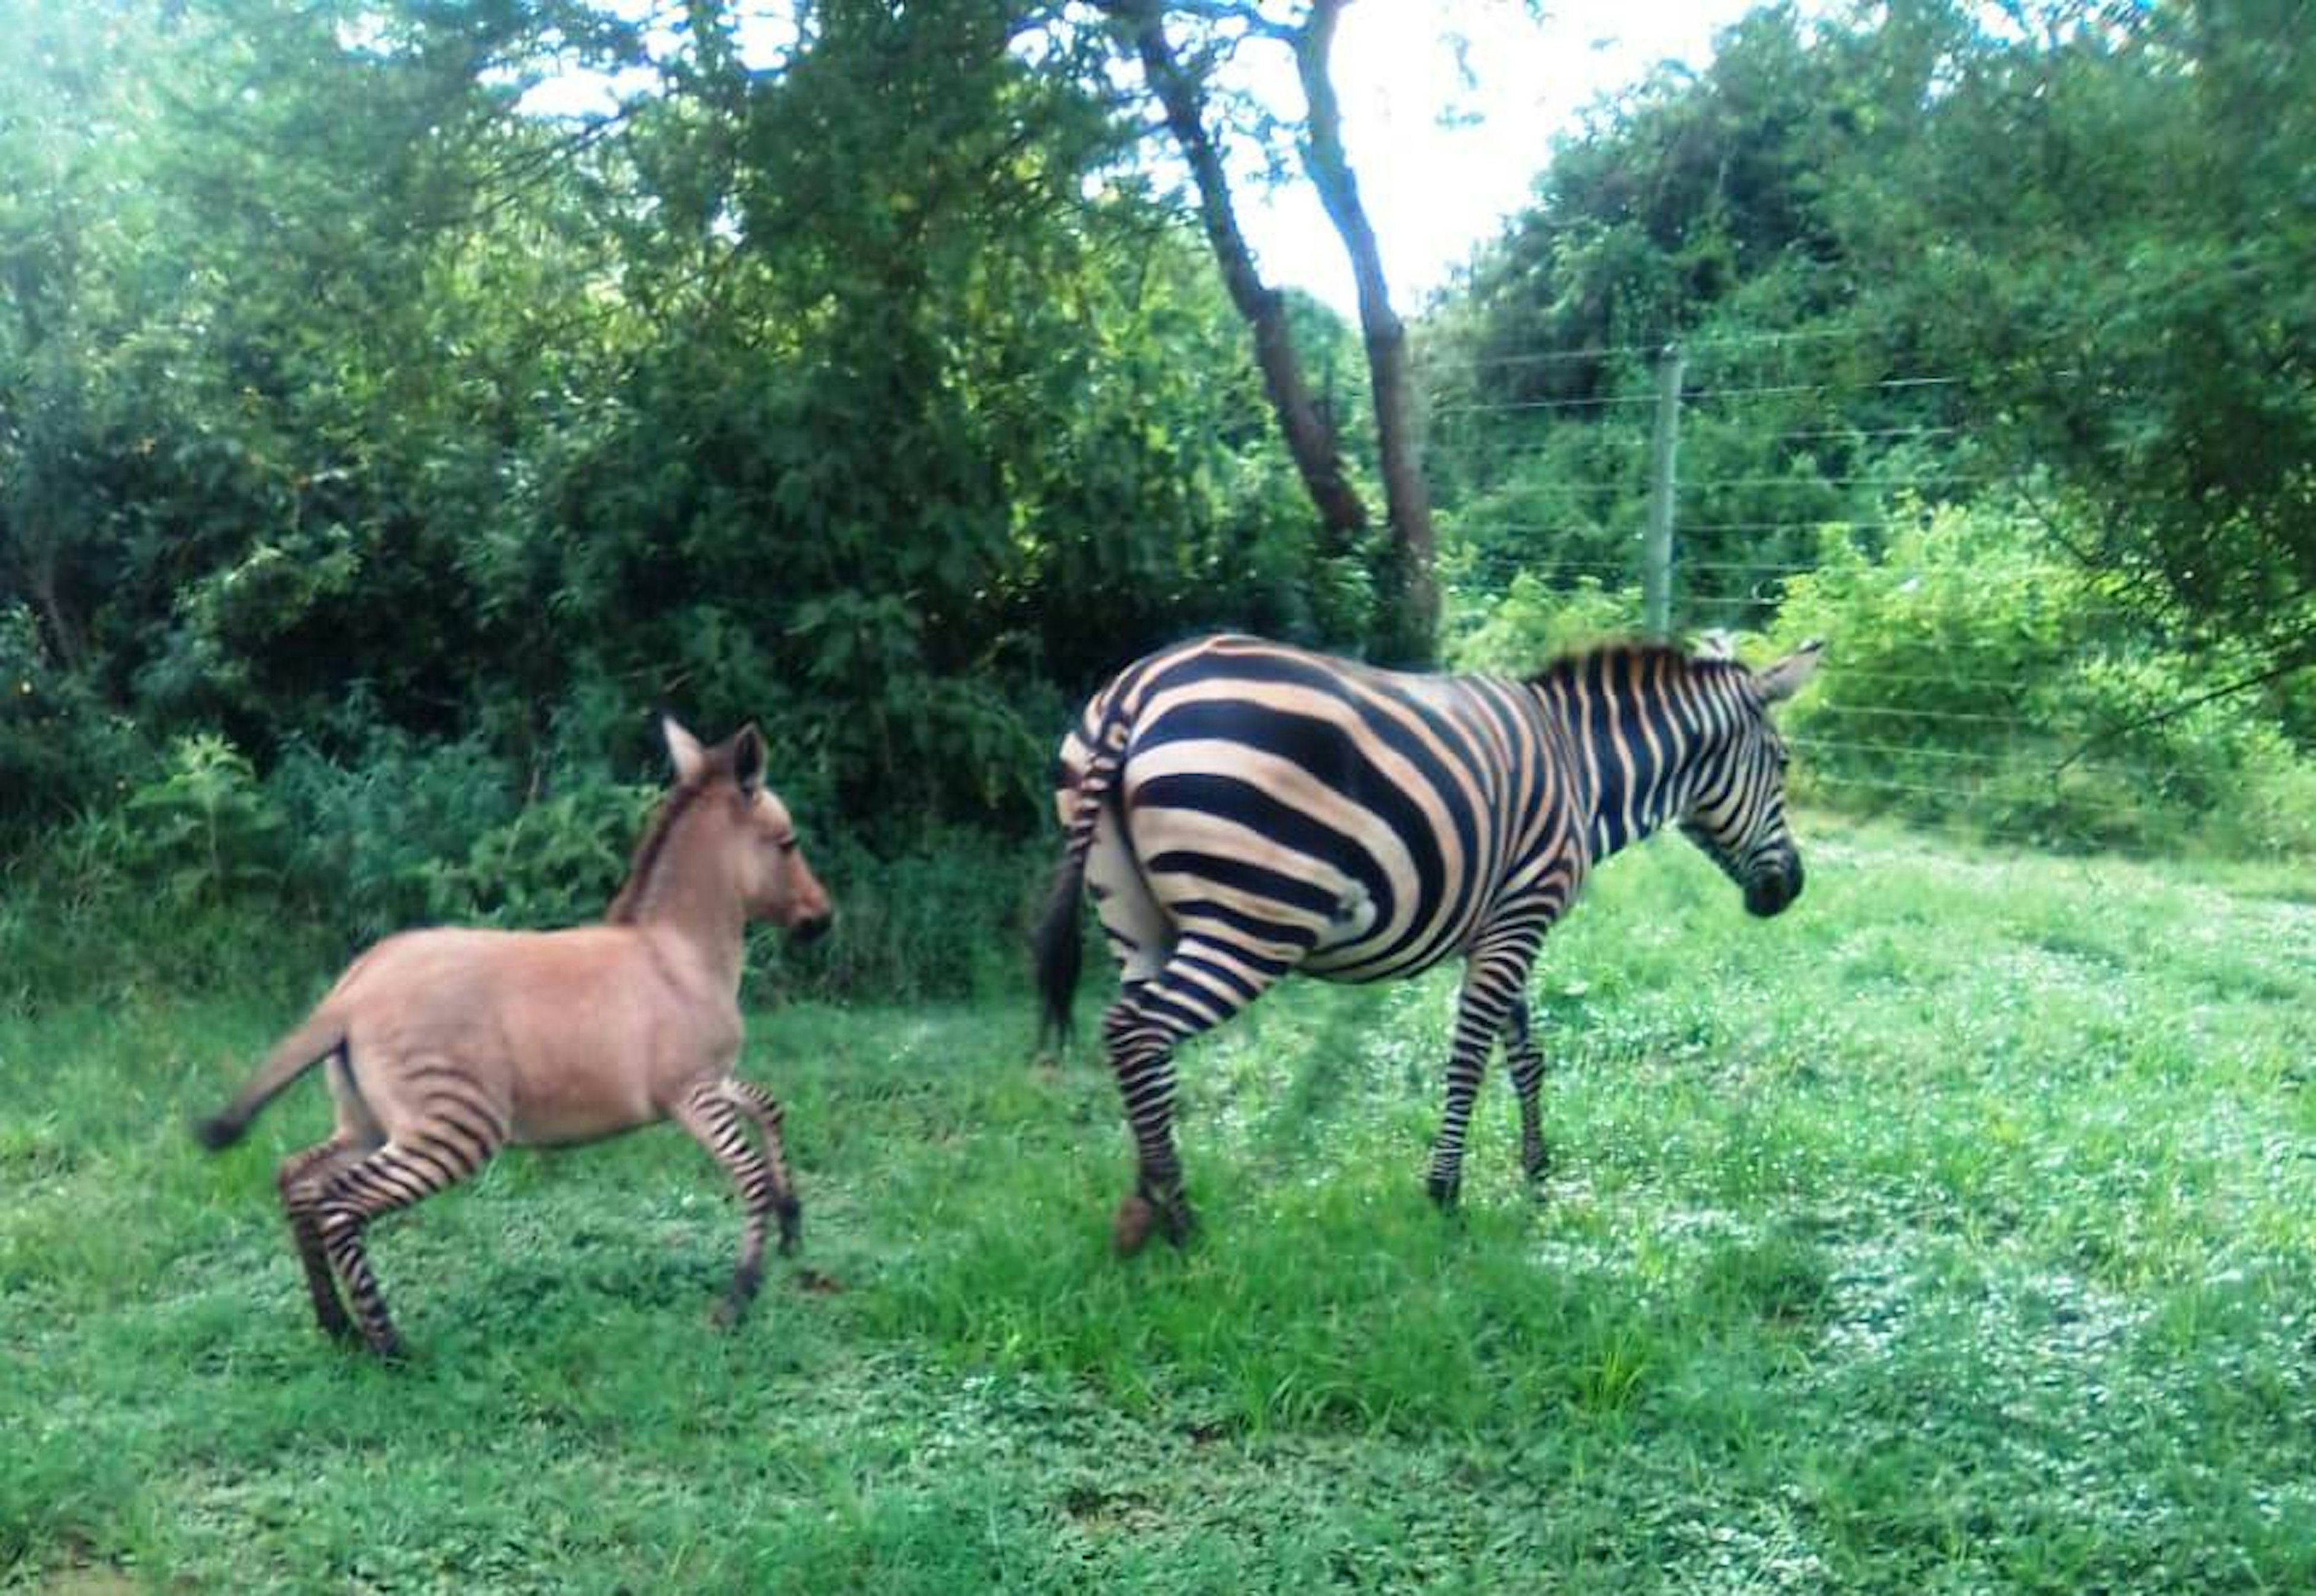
1783, 680
748, 759
684, 748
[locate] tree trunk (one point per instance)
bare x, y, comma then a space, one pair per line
1412, 632
1309, 439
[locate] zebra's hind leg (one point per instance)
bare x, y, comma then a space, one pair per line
1202, 984
396, 1176
1526, 1066
1493, 981
711, 1113
299, 1181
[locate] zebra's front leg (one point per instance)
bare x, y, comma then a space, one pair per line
1493, 981
769, 1116
709, 1113
1526, 1066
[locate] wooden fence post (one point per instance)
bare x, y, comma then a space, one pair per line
1656, 567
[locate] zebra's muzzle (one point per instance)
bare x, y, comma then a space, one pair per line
1774, 890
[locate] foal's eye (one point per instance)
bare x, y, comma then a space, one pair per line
787, 844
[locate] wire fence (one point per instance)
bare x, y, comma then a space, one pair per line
1750, 456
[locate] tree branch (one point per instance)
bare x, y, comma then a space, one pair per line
2259, 679
1309, 439
1407, 498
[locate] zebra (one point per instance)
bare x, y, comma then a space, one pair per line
1238, 808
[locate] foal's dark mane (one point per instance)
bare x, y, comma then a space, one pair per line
649, 852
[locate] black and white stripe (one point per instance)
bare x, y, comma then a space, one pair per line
1240, 808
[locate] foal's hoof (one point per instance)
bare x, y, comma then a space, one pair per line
733, 1305
791, 1226
1445, 1194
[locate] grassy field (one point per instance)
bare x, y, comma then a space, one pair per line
1956, 1231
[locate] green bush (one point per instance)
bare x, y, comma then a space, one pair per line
557, 863
949, 920
1534, 622
373, 835
61, 749
1978, 676
204, 831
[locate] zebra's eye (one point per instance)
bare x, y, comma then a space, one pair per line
787, 844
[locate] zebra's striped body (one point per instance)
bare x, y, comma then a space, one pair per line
1239, 808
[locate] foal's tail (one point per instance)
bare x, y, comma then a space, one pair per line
323, 1033
1058, 946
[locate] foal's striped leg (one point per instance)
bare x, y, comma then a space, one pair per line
769, 1115
1493, 981
397, 1175
1527, 1064
709, 1110
1204, 982
299, 1180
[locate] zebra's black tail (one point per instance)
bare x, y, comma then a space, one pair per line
1056, 945
1059, 949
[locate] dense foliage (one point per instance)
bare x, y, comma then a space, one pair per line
1990, 313
380, 444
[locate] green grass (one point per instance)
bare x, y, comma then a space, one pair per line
1956, 1231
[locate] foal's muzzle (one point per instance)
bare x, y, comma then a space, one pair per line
814, 927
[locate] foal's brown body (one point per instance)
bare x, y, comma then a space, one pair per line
445, 1045
595, 1030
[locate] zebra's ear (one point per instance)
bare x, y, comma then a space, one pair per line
748, 759
1783, 680
683, 750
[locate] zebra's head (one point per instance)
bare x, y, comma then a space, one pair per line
1738, 817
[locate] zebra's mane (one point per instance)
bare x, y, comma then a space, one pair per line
1634, 652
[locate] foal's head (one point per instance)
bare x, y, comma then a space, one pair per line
722, 823
1738, 816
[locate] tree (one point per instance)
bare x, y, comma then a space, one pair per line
1407, 634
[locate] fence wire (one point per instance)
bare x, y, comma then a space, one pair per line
1951, 749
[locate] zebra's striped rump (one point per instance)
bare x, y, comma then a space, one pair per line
1239, 808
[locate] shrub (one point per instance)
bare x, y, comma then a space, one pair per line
1979, 676
373, 836
205, 831
1534, 622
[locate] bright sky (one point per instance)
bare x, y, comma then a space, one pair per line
1435, 190
1441, 161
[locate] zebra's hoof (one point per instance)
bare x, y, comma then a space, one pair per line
791, 1226
1445, 1194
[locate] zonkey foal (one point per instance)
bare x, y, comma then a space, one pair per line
446, 1045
